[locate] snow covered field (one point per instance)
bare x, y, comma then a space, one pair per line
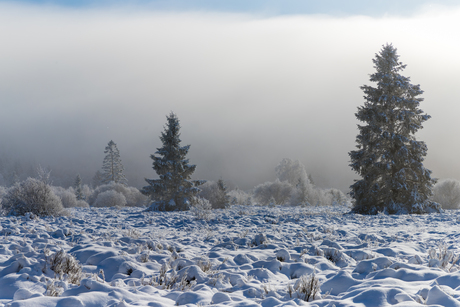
244, 256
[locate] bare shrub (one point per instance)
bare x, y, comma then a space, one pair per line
290, 290
145, 257
266, 288
132, 233
443, 258
216, 279
243, 233
162, 278
110, 198
32, 195
333, 255
307, 287
52, 289
205, 264
171, 280
66, 266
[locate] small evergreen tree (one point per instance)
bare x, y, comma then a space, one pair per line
222, 198
44, 175
112, 169
78, 192
173, 190
389, 158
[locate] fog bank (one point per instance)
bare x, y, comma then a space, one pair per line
248, 90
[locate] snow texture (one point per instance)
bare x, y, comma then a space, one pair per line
243, 256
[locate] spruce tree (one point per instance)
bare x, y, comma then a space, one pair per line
173, 190
78, 186
222, 198
112, 169
389, 158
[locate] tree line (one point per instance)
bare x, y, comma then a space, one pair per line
388, 158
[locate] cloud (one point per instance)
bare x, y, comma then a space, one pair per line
248, 90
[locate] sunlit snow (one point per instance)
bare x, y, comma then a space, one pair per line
243, 256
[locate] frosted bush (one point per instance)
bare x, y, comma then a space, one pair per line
447, 193
293, 187
44, 175
32, 195
67, 197
86, 191
272, 202
81, 204
110, 198
292, 171
216, 193
444, 258
132, 195
201, 209
238, 197
279, 190
52, 289
65, 266
307, 194
336, 197
209, 191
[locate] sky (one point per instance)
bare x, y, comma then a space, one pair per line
251, 82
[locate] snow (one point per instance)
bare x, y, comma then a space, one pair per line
243, 256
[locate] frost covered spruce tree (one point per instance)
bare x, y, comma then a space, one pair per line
389, 158
173, 190
112, 169
78, 188
222, 198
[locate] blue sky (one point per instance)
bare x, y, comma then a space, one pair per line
374, 8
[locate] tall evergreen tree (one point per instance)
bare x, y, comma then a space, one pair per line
112, 169
389, 158
173, 190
